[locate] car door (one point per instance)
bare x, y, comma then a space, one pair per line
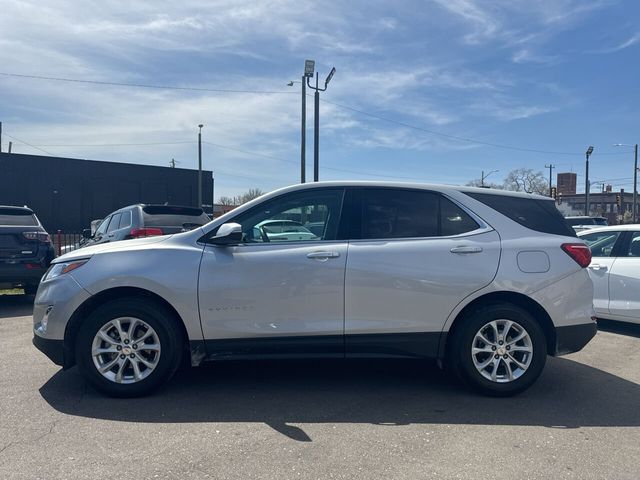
418, 254
275, 295
603, 247
624, 281
112, 228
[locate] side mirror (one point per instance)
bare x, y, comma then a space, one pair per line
86, 233
228, 234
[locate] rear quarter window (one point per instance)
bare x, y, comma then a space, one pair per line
170, 216
533, 213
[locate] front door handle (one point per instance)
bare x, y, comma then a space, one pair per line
463, 250
323, 255
595, 266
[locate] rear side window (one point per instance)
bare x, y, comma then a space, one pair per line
125, 219
18, 217
403, 213
539, 215
113, 225
601, 243
169, 216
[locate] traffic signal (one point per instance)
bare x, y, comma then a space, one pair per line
618, 200
554, 192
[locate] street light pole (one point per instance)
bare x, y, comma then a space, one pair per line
316, 120
200, 165
483, 176
635, 177
586, 184
303, 134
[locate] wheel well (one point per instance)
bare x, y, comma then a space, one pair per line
517, 299
101, 298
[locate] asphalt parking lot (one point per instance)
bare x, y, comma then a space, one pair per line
318, 420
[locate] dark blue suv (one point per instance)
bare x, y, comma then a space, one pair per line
25, 249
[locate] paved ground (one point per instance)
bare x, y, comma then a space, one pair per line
320, 420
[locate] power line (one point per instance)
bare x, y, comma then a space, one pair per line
28, 144
455, 137
256, 154
141, 85
339, 105
114, 144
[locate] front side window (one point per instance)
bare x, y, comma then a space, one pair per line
311, 215
404, 213
113, 225
601, 243
103, 227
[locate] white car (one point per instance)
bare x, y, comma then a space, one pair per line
615, 271
486, 282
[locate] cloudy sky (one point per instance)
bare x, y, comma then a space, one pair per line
431, 90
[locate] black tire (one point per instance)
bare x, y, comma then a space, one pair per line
30, 289
155, 315
460, 358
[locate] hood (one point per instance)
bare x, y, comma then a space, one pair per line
134, 244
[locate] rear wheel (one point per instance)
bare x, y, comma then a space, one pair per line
499, 350
128, 347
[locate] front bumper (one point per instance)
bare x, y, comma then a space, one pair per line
54, 349
572, 338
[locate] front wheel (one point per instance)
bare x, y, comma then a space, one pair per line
128, 347
499, 350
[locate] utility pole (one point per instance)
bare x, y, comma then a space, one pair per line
303, 133
586, 181
0, 137
635, 183
200, 165
550, 167
316, 121
10, 144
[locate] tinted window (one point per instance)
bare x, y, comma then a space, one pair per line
601, 243
403, 213
284, 218
125, 219
17, 216
115, 221
534, 213
454, 220
170, 216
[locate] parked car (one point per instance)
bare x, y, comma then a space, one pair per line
615, 271
25, 249
487, 282
136, 221
581, 223
281, 230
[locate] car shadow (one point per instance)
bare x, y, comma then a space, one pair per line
621, 328
18, 305
384, 392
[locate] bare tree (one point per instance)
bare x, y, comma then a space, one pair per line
478, 183
240, 199
526, 180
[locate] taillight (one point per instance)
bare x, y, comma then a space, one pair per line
145, 232
40, 236
579, 252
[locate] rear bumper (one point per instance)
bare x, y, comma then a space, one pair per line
13, 274
54, 349
573, 338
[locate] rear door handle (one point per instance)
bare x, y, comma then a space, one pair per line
466, 250
323, 255
595, 266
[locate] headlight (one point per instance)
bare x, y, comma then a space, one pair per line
58, 269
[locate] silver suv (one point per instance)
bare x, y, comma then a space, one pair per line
487, 282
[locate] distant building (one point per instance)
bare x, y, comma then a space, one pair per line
68, 193
567, 183
600, 205
219, 209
